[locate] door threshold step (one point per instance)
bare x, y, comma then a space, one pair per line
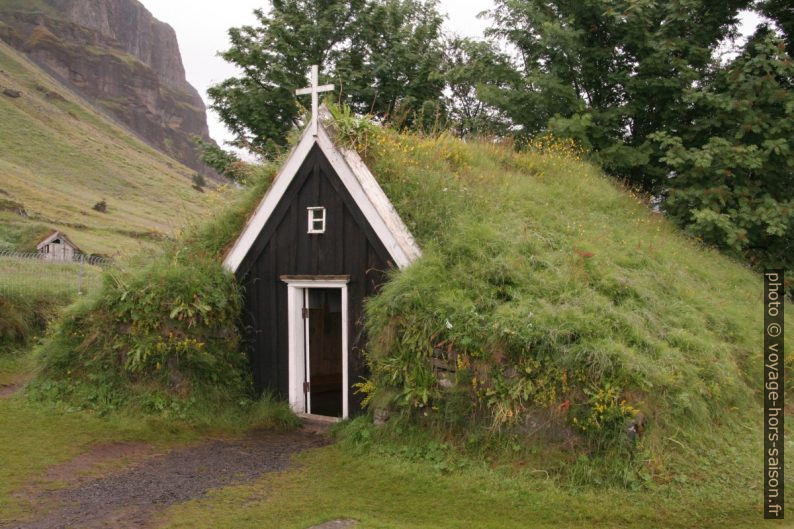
322, 419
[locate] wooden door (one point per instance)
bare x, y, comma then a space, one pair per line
324, 324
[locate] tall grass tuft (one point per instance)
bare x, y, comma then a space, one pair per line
24, 315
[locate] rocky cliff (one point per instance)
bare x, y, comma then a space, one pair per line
121, 59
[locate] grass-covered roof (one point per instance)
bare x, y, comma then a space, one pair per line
552, 293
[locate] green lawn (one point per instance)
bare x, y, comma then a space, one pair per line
35, 278
15, 368
385, 493
381, 491
35, 437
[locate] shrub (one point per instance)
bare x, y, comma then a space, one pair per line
225, 162
165, 333
160, 337
199, 182
22, 317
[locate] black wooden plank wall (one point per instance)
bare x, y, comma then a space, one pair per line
349, 246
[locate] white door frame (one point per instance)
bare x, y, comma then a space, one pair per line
296, 288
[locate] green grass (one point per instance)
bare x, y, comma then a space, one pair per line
560, 293
380, 485
388, 492
24, 315
36, 437
15, 367
59, 158
21, 234
39, 278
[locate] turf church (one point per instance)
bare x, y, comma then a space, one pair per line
319, 243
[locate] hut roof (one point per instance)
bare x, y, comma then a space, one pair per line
56, 235
359, 182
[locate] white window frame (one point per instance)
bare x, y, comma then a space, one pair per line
312, 211
298, 370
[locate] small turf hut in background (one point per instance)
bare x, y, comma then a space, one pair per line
57, 247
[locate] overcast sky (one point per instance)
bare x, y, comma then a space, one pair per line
201, 27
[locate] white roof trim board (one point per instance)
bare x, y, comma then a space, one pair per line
359, 182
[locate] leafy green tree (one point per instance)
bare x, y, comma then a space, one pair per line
732, 170
782, 13
225, 162
259, 106
392, 67
384, 57
477, 73
610, 72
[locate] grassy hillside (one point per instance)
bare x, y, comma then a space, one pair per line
566, 310
59, 157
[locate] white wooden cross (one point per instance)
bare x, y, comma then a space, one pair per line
314, 90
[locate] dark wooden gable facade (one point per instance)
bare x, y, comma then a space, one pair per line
349, 247
304, 289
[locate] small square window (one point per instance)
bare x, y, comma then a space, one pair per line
316, 220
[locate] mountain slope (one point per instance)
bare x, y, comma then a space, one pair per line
59, 157
121, 59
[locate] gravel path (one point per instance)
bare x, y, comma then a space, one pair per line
129, 498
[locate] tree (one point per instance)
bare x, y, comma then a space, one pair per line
384, 57
259, 106
732, 171
782, 13
393, 64
610, 72
225, 162
476, 73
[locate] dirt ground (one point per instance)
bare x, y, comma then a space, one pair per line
122, 485
7, 390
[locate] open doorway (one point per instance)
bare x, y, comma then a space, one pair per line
318, 344
323, 327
